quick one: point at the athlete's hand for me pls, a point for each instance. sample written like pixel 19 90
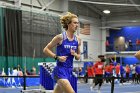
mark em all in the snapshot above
pixel 62 58
pixel 72 52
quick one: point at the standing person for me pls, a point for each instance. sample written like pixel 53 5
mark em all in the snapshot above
pixel 99 68
pixel 122 71
pixel 117 70
pixel 137 55
pixel 130 45
pixel 90 72
pixel 111 68
pixel 68 48
pixel 107 73
pixel 133 73
pixel 86 74
pixel 117 67
pixel 127 70
pixel 138 73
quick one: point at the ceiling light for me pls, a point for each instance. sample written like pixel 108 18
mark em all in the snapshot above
pixel 134 21
pixel 106 11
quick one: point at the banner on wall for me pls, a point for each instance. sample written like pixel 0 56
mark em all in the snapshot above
pixel 85 29
pixel 85 48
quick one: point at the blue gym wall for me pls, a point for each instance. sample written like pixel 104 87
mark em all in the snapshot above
pixel 130 60
pixel 130 33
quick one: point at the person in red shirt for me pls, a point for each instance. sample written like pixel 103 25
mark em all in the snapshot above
pixel 99 67
pixel 107 73
pixel 117 70
pixel 127 70
pixel 90 71
pixel 110 71
pixel 111 67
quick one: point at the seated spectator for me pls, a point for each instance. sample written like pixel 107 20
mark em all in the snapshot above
pixel 33 71
pixel 15 72
pixel 3 73
pixel 19 68
pixel 20 73
pixel 27 73
pixel 0 72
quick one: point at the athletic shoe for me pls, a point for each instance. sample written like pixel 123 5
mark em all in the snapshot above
pixel 99 91
pixel 91 88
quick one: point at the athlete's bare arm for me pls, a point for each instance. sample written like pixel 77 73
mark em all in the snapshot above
pixel 48 49
pixel 54 42
pixel 77 55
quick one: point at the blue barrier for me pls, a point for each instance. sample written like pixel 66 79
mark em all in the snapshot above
pixel 73 82
pixel 48 83
pixel 17 82
pixel 32 81
pixel 45 80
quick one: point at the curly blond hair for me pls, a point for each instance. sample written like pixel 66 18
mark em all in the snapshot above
pixel 66 19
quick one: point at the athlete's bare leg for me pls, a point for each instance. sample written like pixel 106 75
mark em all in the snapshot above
pixel 57 89
pixel 63 85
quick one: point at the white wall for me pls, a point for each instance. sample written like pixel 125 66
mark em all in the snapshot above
pixel 52 5
pixel 97 36
pixel 94 39
pixel 123 20
pixel 57 5
pixel 104 33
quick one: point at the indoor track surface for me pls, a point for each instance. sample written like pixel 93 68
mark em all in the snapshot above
pixel 85 88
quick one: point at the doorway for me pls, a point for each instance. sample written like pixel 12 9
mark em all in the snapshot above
pixel 119 43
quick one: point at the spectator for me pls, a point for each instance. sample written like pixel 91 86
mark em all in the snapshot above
pixel 122 71
pixel 127 70
pixel 3 73
pixel 27 72
pixel 86 74
pixel 130 45
pixel 117 67
pixel 33 71
pixel 134 73
pixel 107 73
pixel 90 71
pixel 99 68
pixel 19 68
pixel 15 72
pixel 138 73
